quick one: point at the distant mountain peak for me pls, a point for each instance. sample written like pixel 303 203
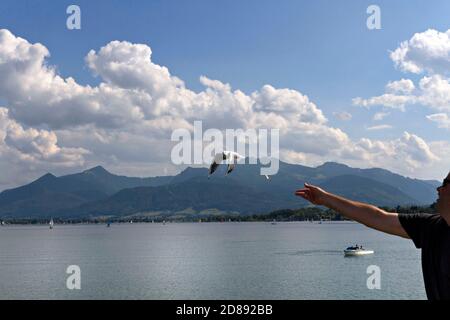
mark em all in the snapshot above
pixel 46 177
pixel 331 164
pixel 97 170
pixel 193 170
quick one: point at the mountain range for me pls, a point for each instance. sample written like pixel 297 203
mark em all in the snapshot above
pixel 97 192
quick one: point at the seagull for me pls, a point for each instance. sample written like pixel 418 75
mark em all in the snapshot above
pixel 231 158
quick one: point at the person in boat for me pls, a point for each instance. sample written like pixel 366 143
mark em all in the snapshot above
pixel 429 232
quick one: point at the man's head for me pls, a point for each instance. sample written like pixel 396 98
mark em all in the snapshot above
pixel 443 202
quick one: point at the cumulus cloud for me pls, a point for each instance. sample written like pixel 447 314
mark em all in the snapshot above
pixel 435 93
pixel 287 102
pixel 314 138
pixel 134 90
pixel 400 86
pixel 427 51
pixel 32 145
pixel 37 95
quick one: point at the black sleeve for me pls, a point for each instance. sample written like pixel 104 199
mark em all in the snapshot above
pixel 419 227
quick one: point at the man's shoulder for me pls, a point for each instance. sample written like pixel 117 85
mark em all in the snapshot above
pixel 423 228
pixel 429 220
pixel 422 216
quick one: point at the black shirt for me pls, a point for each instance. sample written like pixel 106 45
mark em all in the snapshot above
pixel 431 233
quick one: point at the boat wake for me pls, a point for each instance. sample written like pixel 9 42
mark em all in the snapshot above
pixel 318 252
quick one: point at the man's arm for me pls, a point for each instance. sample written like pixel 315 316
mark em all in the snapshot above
pixel 366 214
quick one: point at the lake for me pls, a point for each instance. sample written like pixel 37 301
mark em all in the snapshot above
pixel 230 260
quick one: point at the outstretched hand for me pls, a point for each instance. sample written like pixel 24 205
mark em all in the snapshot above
pixel 313 194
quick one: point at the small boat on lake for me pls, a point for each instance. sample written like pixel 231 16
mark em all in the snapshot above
pixel 51 223
pixel 357 251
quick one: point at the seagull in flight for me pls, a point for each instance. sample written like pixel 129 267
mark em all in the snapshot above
pixel 230 157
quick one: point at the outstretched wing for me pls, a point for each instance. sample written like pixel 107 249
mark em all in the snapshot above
pixel 212 168
pixel 230 167
pixel 218 158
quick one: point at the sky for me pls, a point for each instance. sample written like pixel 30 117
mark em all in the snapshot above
pixel 112 92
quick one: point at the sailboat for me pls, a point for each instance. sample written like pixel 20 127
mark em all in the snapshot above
pixel 274 221
pixel 51 223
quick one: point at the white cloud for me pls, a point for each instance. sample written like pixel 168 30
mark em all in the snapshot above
pixel 409 155
pixel 426 51
pixel 380 127
pixel 442 120
pixel 387 100
pixel 25 151
pixel 287 102
pixel 400 86
pixel 380 116
pixel 343 115
pixel 135 90
pixel 429 52
pixel 405 154
pixel 416 148
pixel 435 93
pixel 314 138
pixel 37 95
pixel 32 145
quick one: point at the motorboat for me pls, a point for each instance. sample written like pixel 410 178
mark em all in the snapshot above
pixel 357 251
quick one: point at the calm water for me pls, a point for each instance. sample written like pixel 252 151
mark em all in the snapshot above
pixel 297 260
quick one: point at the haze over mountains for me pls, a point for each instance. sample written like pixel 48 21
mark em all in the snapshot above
pixel 97 192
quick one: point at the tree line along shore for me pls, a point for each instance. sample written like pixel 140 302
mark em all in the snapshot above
pixel 312 214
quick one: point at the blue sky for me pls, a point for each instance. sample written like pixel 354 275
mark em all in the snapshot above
pixel 322 49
